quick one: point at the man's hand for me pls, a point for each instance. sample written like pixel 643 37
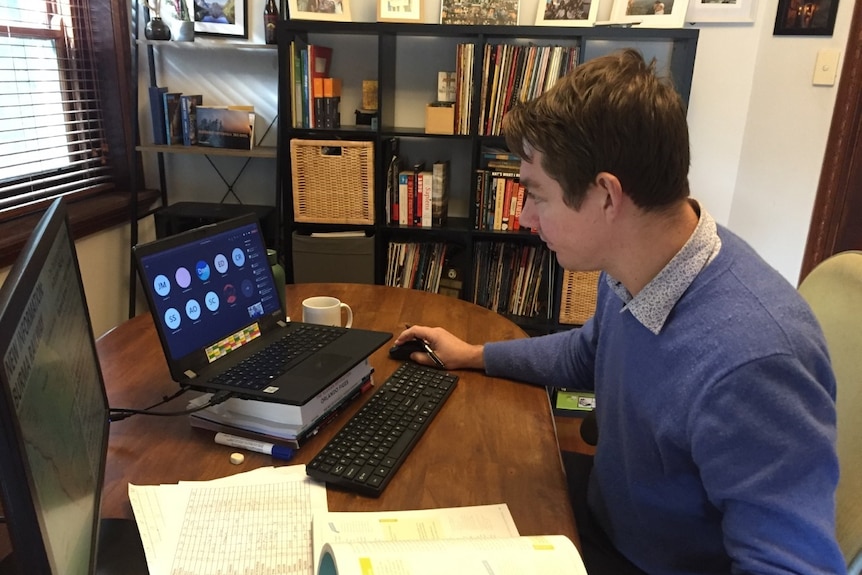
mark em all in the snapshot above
pixel 454 352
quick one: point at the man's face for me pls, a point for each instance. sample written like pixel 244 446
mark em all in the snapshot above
pixel 574 235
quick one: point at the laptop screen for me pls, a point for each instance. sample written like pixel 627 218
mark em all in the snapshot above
pixel 210 291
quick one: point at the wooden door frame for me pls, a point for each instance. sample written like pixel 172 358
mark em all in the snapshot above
pixel 840 187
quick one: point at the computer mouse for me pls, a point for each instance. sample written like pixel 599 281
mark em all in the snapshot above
pixel 402 352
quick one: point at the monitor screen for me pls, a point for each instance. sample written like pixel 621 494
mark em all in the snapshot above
pixel 53 408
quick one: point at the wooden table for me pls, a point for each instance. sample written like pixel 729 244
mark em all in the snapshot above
pixel 494 441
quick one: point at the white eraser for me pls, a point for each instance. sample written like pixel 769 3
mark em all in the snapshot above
pixel 237 458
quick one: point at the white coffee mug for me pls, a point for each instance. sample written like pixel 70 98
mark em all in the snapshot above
pixel 325 310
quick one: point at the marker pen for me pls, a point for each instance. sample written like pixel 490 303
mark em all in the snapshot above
pixel 277 451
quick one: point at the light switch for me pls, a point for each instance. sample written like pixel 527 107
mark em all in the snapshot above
pixel 826 67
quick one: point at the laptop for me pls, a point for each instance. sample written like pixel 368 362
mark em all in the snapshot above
pixel 215 306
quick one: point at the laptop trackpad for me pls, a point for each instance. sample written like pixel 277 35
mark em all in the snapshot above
pixel 321 366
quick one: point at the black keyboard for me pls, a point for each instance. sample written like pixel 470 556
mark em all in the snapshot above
pixel 365 454
pixel 257 371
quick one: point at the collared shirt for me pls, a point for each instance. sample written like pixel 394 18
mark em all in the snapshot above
pixel 654 302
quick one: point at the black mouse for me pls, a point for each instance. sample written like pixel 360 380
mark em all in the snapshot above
pixel 402 352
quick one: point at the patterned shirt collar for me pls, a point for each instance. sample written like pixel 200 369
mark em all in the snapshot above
pixel 653 304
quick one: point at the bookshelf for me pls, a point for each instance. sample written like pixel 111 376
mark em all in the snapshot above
pixel 163 63
pixel 405 59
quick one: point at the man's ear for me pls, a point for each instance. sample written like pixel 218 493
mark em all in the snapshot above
pixel 613 197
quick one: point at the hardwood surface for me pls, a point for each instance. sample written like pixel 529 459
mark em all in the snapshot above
pixel 494 441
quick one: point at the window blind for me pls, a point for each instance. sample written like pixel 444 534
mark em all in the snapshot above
pixel 52 141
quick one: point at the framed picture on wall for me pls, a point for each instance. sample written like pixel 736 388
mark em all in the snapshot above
pixel 567 12
pixel 805 17
pixel 721 11
pixel 400 11
pixel 649 13
pixel 221 17
pixel 332 10
pixel 489 13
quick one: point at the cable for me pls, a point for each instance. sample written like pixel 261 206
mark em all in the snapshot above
pixel 118 414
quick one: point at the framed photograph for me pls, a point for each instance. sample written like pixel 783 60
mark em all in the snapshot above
pixel 222 17
pixel 400 11
pixel 649 13
pixel 493 12
pixel 332 10
pixel 805 18
pixel 567 12
pixel 721 11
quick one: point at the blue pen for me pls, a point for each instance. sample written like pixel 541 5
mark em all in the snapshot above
pixel 277 451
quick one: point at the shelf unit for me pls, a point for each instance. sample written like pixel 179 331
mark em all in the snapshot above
pixel 201 46
pixel 405 59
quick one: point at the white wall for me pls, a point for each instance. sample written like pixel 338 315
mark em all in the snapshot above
pixel 758 134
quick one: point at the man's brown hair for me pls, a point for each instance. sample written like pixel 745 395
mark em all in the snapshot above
pixel 612 114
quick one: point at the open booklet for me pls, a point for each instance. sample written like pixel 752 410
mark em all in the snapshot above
pixel 456 541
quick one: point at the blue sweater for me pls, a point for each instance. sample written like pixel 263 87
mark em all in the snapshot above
pixel 716 445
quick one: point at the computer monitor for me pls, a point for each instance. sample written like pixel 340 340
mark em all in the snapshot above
pixel 53 410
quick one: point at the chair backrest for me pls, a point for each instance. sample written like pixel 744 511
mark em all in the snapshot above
pixel 833 289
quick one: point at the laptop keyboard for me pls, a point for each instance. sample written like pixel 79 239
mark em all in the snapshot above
pixel 257 371
pixel 365 454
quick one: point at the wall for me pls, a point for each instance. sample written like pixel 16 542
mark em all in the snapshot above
pixel 104 261
pixel 758 134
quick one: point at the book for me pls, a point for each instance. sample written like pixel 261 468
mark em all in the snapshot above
pixel 157 112
pixel 173 118
pixel 297 415
pixel 225 127
pixel 293 436
pixel 425 188
pixel 439 192
pixel 467 540
pixel 188 104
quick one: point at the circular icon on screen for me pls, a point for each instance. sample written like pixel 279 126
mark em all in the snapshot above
pixel 162 285
pixel 229 293
pixel 220 263
pixel 193 309
pixel 172 318
pixel 238 257
pixel 203 270
pixel 247 288
pixel 183 277
pixel 211 300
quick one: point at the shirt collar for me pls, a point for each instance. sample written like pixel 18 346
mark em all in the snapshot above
pixel 653 304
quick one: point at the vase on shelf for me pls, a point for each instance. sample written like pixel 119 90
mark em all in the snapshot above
pixel 157 29
pixel 183 31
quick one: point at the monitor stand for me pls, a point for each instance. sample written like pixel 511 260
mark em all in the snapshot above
pixel 120 551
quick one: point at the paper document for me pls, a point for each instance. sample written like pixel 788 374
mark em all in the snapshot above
pixel 536 555
pixel 481 521
pixel 251 523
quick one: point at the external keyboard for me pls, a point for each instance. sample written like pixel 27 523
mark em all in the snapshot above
pixel 365 454
pixel 257 371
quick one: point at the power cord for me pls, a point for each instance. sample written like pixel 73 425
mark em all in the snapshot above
pixel 118 414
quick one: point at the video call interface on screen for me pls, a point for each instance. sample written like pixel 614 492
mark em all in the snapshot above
pixel 214 286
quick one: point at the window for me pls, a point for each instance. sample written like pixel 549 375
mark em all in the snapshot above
pixel 52 139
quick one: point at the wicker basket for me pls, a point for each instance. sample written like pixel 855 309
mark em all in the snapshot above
pixel 333 181
pixel 578 297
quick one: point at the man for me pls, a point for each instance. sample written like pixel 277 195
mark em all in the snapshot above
pixel 714 392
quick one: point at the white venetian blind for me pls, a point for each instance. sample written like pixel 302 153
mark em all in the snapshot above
pixel 51 133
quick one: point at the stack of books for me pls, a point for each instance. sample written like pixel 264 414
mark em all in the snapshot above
pixel 279 423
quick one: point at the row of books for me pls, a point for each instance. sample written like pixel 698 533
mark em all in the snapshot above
pixel 182 119
pixel 316 94
pixel 499 199
pixel 415 265
pixel 422 196
pixel 279 423
pixel 463 87
pixel 509 278
pixel 517 73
